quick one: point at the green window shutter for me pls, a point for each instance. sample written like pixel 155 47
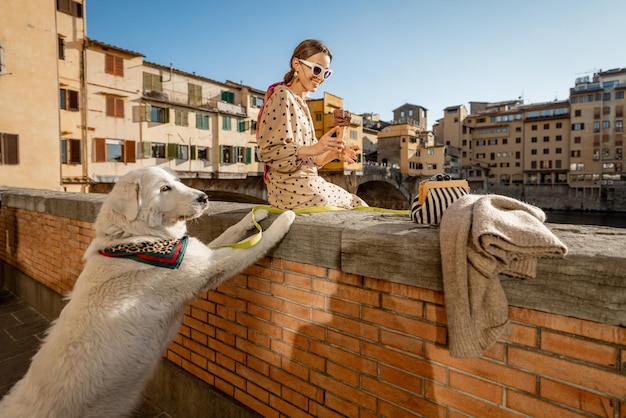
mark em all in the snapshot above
pixel 146 150
pixel 221 153
pixel 172 151
pixel 148 113
pixel 248 155
pixel 192 153
pixel 228 97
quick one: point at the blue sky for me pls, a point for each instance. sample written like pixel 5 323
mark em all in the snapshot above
pixel 432 53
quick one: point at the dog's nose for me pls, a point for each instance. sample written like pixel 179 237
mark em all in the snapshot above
pixel 203 198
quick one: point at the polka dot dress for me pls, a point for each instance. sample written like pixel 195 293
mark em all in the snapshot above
pixel 293 182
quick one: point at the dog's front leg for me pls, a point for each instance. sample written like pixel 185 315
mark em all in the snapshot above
pixel 237 232
pixel 229 261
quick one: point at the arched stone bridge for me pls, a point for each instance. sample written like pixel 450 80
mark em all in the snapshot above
pixel 378 185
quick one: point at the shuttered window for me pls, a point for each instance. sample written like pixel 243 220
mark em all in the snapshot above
pixel 68 99
pixel 114 65
pixel 115 107
pixel 9 149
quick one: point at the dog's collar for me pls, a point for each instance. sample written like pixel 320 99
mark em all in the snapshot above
pixel 166 253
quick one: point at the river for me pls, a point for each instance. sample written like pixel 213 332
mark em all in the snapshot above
pixel 612 219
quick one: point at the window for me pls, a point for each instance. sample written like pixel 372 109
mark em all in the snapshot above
pixel 70 151
pixel 202 121
pixel 619 126
pixel 181 117
pixel 533 128
pixel 577 112
pixel 203 153
pixel 256 101
pixel 578 126
pixel 70 7
pixel 68 100
pixel 242 125
pixel 157 150
pixel 115 106
pixel 606 96
pixel 152 82
pixel 61 48
pixel 182 152
pixel 194 92
pixel 546 126
pixel 157 114
pixel 226 123
pixel 226 154
pixel 546 139
pixel 228 97
pixel 596 126
pixel 113 65
pixel 114 150
pixel 606 124
pixel 619 94
pixel 9 149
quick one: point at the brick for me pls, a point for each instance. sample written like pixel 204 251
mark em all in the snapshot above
pixel 258 311
pixel 258 392
pixel 343 341
pixel 577 348
pixel 464 403
pixel 198 372
pixel 254 377
pixel 346 358
pixel 579 374
pixel 347 392
pixel 295 398
pixel 342 406
pixel 427 409
pixel 317 410
pixel 224 374
pixel 485 369
pixel 224 386
pixel 298 325
pixel 307 269
pixel 259 285
pixel 297 339
pixel 298 280
pixel 343 307
pixel 259 325
pixel 310 359
pixel 478 387
pixel 401 379
pixel 536 408
pixel 404 306
pixel 401 323
pixel 403 361
pixel 302 386
pixel 401 398
pixel 400 341
pixel 253 403
pixel 568 325
pixel 298 295
pixel 346 278
pixel 297 309
pixel 435 313
pixel 577 398
pixel 347 325
pixel 286 408
pixel 275 276
pixel 523 335
pixel 342 373
pixel 259 352
pixel 345 292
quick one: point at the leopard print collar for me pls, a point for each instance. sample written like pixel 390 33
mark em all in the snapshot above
pixel 165 253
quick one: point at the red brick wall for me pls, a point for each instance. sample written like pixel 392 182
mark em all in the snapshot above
pixel 290 339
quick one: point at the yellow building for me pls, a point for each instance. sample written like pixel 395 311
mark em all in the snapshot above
pixel 323 120
pixel 41 59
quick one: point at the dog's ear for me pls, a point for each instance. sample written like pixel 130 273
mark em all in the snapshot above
pixel 126 199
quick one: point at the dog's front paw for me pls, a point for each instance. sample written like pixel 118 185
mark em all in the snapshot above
pixel 289 216
pixel 259 215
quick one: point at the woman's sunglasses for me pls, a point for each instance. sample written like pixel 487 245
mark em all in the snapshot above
pixel 317 70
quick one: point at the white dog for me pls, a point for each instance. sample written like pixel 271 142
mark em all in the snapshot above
pixel 128 303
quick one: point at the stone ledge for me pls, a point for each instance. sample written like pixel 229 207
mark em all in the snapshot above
pixel 588 284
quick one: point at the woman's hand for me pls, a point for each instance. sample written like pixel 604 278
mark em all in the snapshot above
pixel 349 154
pixel 330 143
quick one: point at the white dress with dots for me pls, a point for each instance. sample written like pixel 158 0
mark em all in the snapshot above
pixel 293 182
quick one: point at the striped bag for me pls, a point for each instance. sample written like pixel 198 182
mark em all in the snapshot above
pixel 434 196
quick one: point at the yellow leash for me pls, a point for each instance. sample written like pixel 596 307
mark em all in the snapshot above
pixel 254 239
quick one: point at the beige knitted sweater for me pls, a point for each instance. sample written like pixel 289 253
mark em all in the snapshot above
pixel 481 237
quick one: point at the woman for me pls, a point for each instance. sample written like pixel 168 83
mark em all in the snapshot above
pixel 286 136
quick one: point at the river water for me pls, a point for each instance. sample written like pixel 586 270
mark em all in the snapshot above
pixel 612 219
